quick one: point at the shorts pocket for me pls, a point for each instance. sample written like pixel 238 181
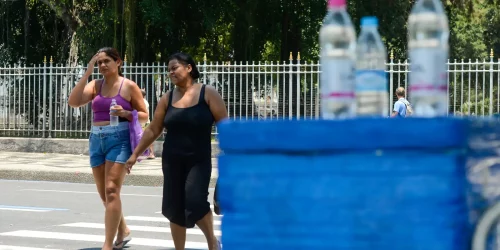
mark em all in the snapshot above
pixel 94 145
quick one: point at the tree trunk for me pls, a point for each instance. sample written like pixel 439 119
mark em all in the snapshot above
pixel 68 15
pixel 26 29
pixel 285 22
pixel 130 19
pixel 115 24
pixel 73 51
pixel 70 18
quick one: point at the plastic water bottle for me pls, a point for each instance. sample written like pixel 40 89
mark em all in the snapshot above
pixel 113 120
pixel 337 39
pixel 371 79
pixel 428 51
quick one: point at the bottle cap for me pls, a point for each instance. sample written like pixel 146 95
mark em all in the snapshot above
pixel 336 3
pixel 369 21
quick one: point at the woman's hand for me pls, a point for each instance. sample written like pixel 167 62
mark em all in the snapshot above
pixel 118 110
pixel 130 163
pixel 93 60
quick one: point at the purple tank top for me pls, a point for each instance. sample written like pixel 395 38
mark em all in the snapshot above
pixel 101 104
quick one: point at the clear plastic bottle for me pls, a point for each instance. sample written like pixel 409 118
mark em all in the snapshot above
pixel 113 120
pixel 428 51
pixel 372 97
pixel 337 39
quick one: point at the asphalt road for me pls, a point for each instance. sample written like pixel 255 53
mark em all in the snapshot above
pixel 55 215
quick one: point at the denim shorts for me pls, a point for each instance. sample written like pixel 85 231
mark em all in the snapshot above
pixel 109 143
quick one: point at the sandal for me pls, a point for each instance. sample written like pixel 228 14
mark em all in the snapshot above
pixel 121 244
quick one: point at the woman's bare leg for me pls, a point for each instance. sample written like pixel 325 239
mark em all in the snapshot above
pixel 114 175
pixel 178 235
pixel 206 224
pixel 99 179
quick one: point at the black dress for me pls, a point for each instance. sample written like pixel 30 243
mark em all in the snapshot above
pixel 186 162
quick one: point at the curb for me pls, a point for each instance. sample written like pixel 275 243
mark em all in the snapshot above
pixel 87 178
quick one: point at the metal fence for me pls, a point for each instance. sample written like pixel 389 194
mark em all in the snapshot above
pixel 33 100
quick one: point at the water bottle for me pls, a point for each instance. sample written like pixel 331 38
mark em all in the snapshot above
pixel 337 39
pixel 371 79
pixel 113 120
pixel 428 51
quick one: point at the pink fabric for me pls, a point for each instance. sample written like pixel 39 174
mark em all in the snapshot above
pixel 136 132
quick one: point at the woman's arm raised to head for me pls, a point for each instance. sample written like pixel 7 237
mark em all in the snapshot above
pixel 83 93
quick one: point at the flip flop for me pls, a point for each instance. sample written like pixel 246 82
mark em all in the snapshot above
pixel 120 245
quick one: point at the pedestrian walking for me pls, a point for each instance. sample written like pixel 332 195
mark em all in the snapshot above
pixel 402 107
pixel 109 146
pixel 187 112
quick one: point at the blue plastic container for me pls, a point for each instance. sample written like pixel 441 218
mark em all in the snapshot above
pixel 351 184
pixel 483 172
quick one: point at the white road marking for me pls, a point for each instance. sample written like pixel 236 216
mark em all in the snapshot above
pixel 86 192
pixel 30 209
pixel 99 239
pixel 192 231
pixel 211 207
pixel 5 247
pixel 24 210
pixel 155 219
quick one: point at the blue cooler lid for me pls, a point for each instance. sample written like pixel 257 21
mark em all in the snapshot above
pixel 328 135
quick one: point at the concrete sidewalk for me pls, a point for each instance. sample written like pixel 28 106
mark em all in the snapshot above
pixel 75 168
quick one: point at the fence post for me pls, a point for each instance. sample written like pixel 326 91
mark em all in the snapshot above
pixel 205 69
pixel 290 89
pixel 50 98
pixel 298 88
pixel 491 82
pixel 44 118
pixel 391 81
pixel 454 86
pixel 448 99
pixel 318 107
pixel 125 67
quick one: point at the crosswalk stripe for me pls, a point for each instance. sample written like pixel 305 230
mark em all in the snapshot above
pixel 5 247
pixel 30 209
pixel 211 207
pixel 213 214
pixel 100 239
pixel 156 219
pixel 193 231
pixel 24 210
pixel 88 192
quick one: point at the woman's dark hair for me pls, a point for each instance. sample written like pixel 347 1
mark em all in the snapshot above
pixel 186 59
pixel 113 53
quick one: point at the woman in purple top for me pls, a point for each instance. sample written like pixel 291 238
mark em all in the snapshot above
pixel 109 146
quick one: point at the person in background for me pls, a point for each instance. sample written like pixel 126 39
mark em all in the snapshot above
pixel 145 124
pixel 402 108
pixel 188 113
pixel 109 146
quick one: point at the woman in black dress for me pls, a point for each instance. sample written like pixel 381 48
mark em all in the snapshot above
pixel 188 113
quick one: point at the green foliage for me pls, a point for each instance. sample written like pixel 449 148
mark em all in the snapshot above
pixel 224 30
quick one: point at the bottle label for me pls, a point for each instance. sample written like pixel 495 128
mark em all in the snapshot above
pixel 337 79
pixel 337 88
pixel 428 71
pixel 371 80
